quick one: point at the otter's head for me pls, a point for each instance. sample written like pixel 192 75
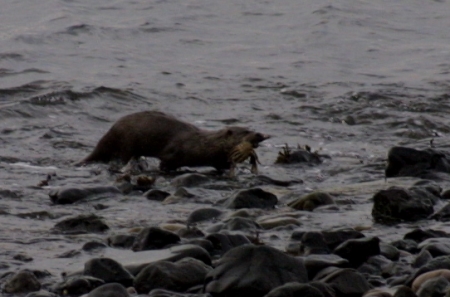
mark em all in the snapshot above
pixel 243 134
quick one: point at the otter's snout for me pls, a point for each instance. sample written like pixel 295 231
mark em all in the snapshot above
pixel 259 138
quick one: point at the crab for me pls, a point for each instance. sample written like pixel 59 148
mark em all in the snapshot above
pixel 302 154
pixel 240 153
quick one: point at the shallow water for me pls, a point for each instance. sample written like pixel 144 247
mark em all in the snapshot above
pixel 351 78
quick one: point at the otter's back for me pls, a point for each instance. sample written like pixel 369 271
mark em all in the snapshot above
pixel 149 132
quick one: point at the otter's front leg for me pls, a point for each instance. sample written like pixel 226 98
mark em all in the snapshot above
pixel 232 173
pixel 254 162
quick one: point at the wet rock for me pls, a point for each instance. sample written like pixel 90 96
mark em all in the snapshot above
pixel 420 280
pixel 436 246
pixel 369 270
pixel 7 193
pixel 124 241
pixel 109 290
pixel 336 237
pixel 247 213
pixel 108 270
pixel 446 194
pixel 267 180
pixel 345 281
pixel 251 270
pixel 441 262
pixel 152 238
pixel 404 161
pixel 313 243
pixel 156 195
pixel 324 288
pixel 172 227
pixel 72 195
pixel 391 269
pixel 252 198
pixel 124 186
pixel 419 235
pixel 189 180
pixel 190 232
pixel 443 214
pixel 77 285
pixel 357 251
pixel 404 291
pixel 236 224
pixel 41 293
pixel 271 223
pixel 437 286
pixel 178 276
pixel 167 293
pixel 377 293
pixel 294 289
pixel 429 185
pixel 179 195
pixel 389 251
pixel 22 257
pixel 406 245
pixel 311 201
pixel 398 204
pixel 22 282
pixel 421 259
pixel 144 181
pixel 316 262
pixel 69 254
pixel 223 242
pixel 92 246
pixel 203 243
pixel 81 224
pixel 203 214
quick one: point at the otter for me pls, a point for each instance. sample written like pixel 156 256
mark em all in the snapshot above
pixel 175 143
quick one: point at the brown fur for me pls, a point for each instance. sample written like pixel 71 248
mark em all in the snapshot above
pixel 175 143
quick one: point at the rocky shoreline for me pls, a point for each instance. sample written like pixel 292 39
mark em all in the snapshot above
pixel 224 247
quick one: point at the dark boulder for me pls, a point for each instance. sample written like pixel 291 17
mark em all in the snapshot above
pixel 203 214
pixel 22 282
pixel 404 161
pixel 295 289
pixel 156 195
pixel 251 270
pixel 72 195
pixel 153 238
pixel 77 285
pixel 311 201
pixel 236 224
pixel 252 198
pixel 108 270
pixel 81 224
pixel 109 290
pixel 419 235
pixel 436 246
pixel 223 242
pixel 398 204
pixel 189 180
pixel 345 281
pixel 124 241
pixel 178 276
pixel 313 243
pixel 357 251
